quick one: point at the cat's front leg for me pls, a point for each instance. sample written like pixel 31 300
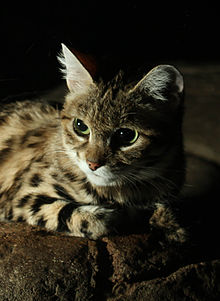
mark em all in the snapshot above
pixel 91 221
pixel 164 219
pixel 55 214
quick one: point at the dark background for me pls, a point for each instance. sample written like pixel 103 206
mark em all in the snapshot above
pixel 119 34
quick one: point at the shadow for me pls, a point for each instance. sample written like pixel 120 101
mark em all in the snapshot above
pixel 199 206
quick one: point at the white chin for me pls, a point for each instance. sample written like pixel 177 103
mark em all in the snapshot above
pixel 101 181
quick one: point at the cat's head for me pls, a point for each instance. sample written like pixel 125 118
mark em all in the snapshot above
pixel 119 135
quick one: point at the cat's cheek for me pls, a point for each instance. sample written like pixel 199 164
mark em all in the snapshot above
pixel 82 165
pixel 74 156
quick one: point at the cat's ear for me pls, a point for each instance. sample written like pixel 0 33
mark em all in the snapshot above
pixel 163 83
pixel 77 77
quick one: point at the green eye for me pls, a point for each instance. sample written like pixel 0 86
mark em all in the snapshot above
pixel 80 127
pixel 125 136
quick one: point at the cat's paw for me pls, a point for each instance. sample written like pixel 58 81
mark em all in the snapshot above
pixel 163 219
pixel 90 221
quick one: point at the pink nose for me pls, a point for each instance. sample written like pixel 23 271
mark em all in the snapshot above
pixel 93 165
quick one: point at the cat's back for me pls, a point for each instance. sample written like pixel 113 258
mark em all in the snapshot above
pixel 26 129
pixel 30 113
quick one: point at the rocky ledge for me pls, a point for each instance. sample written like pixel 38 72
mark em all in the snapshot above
pixel 38 265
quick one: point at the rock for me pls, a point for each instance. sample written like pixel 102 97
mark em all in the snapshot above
pixel 36 265
pixel 40 265
pixel 197 282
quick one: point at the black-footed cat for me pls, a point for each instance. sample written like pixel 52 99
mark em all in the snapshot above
pixel 111 151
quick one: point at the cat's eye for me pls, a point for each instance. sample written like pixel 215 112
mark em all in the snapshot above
pixel 125 136
pixel 80 127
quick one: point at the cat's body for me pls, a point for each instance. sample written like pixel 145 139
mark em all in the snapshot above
pixel 109 152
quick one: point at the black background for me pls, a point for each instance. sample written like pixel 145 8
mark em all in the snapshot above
pixel 117 33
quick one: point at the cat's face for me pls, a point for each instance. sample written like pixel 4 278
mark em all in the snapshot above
pixel 118 136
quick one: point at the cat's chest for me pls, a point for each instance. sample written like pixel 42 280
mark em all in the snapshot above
pixel 69 186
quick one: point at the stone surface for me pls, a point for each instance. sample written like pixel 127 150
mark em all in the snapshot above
pixel 38 265
pixel 198 282
pixel 35 265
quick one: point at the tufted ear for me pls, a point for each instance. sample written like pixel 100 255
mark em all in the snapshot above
pixel 77 77
pixel 162 83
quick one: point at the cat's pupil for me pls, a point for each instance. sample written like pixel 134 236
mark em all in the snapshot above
pixel 125 136
pixel 81 125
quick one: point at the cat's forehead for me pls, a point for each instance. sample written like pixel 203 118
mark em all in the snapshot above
pixel 102 106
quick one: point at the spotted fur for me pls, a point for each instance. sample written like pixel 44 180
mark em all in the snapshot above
pixel 45 176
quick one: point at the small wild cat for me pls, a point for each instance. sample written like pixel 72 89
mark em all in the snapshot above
pixel 111 153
